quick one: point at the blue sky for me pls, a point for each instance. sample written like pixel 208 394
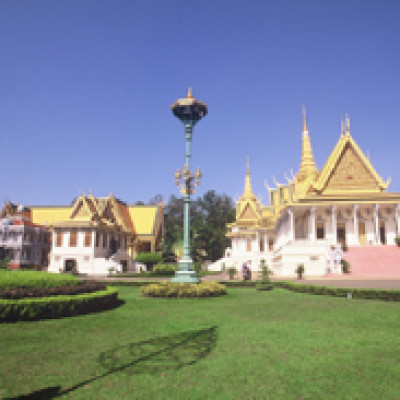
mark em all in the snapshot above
pixel 86 86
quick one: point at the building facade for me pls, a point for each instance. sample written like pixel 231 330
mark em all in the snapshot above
pixel 95 235
pixel 315 214
pixel 23 243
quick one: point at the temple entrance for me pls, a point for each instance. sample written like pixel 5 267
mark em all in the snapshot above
pixel 341 233
pixel 361 233
pixel 382 233
pixel 70 265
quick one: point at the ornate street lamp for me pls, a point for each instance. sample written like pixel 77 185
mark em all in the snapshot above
pixel 189 111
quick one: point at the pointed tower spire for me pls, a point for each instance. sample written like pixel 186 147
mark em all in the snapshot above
pixel 307 165
pixel 248 191
pixel 190 93
pixel 305 128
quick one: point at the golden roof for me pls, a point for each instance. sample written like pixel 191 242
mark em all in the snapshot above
pixel 348 170
pixel 145 218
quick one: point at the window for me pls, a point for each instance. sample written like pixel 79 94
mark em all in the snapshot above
pixel 73 238
pixel 104 240
pixel 97 238
pixel 88 238
pixel 59 239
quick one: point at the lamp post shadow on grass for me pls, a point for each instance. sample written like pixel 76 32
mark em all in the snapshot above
pixel 146 357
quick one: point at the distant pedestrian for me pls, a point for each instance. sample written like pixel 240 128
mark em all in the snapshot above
pixel 244 271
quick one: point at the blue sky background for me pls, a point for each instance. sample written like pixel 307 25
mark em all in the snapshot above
pixel 86 86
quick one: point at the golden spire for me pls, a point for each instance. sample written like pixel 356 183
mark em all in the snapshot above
pixel 303 110
pixel 307 165
pixel 190 93
pixel 248 191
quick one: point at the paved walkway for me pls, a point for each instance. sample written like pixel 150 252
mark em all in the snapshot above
pixel 349 281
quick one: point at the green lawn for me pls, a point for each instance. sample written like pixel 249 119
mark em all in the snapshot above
pixel 246 345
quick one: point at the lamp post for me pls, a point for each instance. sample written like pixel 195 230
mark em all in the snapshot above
pixel 189 111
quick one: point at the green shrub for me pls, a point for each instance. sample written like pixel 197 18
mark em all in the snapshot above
pixel 197 266
pixel 398 241
pixel 387 295
pixel 4 263
pixel 232 271
pixel 164 270
pixel 149 258
pixel 345 267
pixel 26 292
pixel 29 279
pixel 265 271
pixel 264 285
pixel 177 290
pixel 300 271
pixel 57 306
pixel 239 284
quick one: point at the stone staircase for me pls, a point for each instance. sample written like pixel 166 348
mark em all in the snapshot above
pixel 374 261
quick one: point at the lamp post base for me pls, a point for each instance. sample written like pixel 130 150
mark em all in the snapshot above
pixel 185 274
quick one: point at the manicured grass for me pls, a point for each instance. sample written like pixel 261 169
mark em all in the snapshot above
pixel 246 345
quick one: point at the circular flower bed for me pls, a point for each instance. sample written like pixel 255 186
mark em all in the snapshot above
pixel 178 290
pixel 32 295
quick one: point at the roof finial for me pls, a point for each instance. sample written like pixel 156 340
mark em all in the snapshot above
pixel 303 110
pixel 347 124
pixel 247 166
pixel 190 93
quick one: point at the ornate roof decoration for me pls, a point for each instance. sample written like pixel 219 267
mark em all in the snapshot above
pixel 348 169
pixel 102 210
pixel 248 208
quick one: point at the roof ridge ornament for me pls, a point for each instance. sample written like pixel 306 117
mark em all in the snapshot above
pixel 347 124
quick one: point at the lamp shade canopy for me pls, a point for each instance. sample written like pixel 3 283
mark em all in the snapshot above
pixel 189 109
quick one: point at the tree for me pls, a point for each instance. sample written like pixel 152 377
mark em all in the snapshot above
pixel 158 198
pixel 208 217
pixel 217 211
pixel 149 259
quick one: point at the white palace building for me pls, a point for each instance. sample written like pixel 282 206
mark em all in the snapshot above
pixel 315 214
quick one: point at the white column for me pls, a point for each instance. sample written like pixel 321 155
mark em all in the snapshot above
pixel 334 224
pixel 258 241
pixel 291 224
pixel 398 219
pixel 312 214
pixel 355 221
pixel 377 236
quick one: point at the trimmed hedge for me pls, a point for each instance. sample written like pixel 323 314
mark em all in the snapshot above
pixel 24 292
pixel 239 283
pixel 29 279
pixel 178 290
pixel 264 286
pixel 164 270
pixel 374 294
pixel 57 306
